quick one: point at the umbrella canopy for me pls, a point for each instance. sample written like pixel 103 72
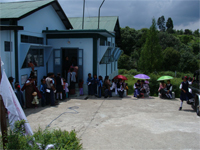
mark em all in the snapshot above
pixel 141 76
pixel 120 77
pixel 165 78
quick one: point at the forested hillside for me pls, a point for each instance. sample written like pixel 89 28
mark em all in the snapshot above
pixel 160 48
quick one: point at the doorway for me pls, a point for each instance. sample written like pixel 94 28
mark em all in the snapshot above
pixel 75 58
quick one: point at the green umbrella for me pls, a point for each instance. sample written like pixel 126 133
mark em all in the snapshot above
pixel 165 78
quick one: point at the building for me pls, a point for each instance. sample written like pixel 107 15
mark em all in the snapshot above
pixel 39 33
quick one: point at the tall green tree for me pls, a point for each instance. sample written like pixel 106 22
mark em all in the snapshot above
pixel 169 25
pixel 196 33
pixel 151 56
pixel 188 31
pixel 171 58
pixel 161 23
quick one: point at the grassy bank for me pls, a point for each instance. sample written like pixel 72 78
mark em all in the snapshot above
pixel 153 83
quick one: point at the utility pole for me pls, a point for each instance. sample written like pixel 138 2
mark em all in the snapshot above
pixel 99 13
pixel 83 14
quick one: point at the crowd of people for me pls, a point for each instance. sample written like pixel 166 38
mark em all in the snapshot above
pixel 141 89
pixel 54 88
pixel 99 87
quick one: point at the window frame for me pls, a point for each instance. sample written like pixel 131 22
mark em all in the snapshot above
pixel 8 46
pixel 40 52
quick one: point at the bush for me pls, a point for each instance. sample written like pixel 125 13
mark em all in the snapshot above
pixel 60 139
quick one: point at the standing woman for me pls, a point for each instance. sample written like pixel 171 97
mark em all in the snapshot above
pixel 107 87
pixel 29 89
pixel 72 81
pixel 66 67
pixel 184 91
pixel 100 85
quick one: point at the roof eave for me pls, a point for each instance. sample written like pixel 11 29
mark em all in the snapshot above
pixel 97 31
pixel 67 25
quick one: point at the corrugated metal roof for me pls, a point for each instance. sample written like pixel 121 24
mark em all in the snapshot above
pixel 107 23
pixel 18 9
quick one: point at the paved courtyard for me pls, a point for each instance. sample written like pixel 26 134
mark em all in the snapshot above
pixel 123 124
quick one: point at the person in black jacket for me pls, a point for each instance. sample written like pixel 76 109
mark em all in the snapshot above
pixel 184 91
pixel 169 89
pixel 59 86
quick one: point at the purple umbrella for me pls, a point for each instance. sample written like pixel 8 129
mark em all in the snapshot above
pixel 141 76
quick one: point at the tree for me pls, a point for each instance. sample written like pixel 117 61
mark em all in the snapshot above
pixel 169 25
pixel 150 57
pixel 196 33
pixel 168 40
pixel 185 38
pixel 128 36
pixel 187 31
pixel 126 62
pixel 161 23
pixel 196 48
pixel 188 61
pixel 171 58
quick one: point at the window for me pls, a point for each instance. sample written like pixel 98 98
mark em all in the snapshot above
pixel 35 57
pixel 7 46
pixel 109 43
pixel 106 57
pixel 103 41
pixel 31 39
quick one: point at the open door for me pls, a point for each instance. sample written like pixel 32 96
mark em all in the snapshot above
pixel 57 61
pixel 80 63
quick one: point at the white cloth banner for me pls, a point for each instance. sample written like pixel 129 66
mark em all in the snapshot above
pixel 12 104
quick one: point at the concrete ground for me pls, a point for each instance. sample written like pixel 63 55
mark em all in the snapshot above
pixel 123 124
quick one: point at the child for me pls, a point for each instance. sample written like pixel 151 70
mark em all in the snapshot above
pixel 142 89
pixel 162 89
pixel 169 89
pixel 66 90
pixel 80 84
pixel 126 89
pixel 184 91
pixel 90 81
pixel 19 95
pixel 35 99
pixel 95 84
pixel 100 85
pixel 63 91
pixel 43 91
pixel 137 89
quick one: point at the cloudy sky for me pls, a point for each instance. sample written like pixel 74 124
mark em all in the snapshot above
pixel 138 13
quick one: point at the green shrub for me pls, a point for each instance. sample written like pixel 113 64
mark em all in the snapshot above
pixel 60 139
pixel 121 71
pixel 168 73
pixel 133 72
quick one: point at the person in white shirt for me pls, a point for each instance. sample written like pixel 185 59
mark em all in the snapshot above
pixel 113 86
pixel 120 88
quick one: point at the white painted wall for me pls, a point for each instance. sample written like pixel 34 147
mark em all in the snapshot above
pixel 82 43
pixel 33 25
pixel 38 21
pixel 8 58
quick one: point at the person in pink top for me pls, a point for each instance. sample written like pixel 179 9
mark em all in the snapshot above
pixel 162 89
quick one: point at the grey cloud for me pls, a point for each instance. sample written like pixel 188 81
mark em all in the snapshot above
pixel 136 13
